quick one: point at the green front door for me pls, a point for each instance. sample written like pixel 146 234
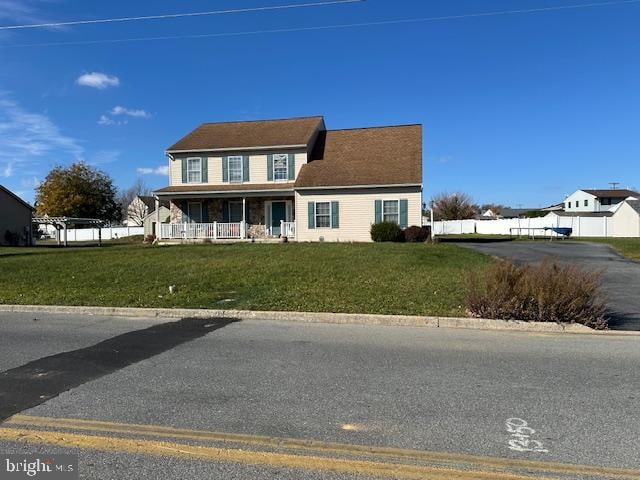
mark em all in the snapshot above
pixel 278 214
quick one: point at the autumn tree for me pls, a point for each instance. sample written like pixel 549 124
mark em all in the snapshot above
pixel 452 206
pixel 134 211
pixel 78 190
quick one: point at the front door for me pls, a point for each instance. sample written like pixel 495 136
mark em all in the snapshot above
pixel 278 214
pixel 195 212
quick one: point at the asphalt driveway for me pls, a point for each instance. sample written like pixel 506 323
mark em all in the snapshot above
pixel 620 278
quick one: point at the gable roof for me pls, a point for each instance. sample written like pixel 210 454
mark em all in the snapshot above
pixel 635 204
pixel 613 193
pixel 150 202
pixel 289 132
pixel 15 197
pixel 365 156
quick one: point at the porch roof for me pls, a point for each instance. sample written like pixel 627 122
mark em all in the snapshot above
pixel 245 188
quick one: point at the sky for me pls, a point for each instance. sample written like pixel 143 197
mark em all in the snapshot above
pixel 518 108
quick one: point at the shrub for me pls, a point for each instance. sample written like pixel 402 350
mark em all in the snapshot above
pixel 149 239
pixel 386 232
pixel 545 293
pixel 417 234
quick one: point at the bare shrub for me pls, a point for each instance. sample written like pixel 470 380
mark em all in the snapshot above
pixel 549 292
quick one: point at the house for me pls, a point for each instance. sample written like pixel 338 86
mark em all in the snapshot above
pixel 626 219
pixel 506 212
pixel 151 221
pixel 293 178
pixel 596 200
pixel 15 219
pixel 139 208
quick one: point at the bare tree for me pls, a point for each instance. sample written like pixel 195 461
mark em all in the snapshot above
pixel 133 208
pixel 452 206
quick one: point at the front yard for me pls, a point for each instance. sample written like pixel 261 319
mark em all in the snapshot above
pixel 417 279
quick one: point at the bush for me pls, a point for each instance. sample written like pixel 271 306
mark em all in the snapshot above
pixel 149 239
pixel 417 234
pixel 545 293
pixel 386 232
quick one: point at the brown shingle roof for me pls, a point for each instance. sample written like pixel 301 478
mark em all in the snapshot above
pixel 259 133
pixel 206 188
pixel 620 193
pixel 365 156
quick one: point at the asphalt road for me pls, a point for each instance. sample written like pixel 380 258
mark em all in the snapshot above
pixel 620 276
pixel 259 399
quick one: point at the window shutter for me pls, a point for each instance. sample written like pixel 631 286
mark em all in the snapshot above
pixel 311 214
pixel 245 168
pixel 404 214
pixel 335 220
pixel 185 211
pixel 205 169
pixel 184 170
pixel 269 167
pixel 225 169
pixel 225 212
pixel 205 211
pixel 378 210
pixel 291 167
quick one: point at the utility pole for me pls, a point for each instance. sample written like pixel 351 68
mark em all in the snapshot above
pixel 614 185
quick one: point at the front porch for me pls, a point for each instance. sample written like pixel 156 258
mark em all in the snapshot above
pixel 230 219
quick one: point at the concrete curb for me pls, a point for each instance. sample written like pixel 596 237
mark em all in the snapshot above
pixel 316 317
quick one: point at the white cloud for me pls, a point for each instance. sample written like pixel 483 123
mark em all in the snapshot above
pixel 102 157
pixel 162 170
pixel 98 80
pixel 27 139
pixel 118 110
pixel 104 120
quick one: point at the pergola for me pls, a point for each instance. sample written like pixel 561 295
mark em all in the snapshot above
pixel 62 223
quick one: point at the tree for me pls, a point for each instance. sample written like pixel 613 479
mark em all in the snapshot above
pixel 78 190
pixel 452 206
pixel 132 211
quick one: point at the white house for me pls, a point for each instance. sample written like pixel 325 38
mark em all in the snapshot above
pixel 597 200
pixel 292 178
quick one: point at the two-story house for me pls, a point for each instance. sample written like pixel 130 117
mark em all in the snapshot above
pixel 602 200
pixel 293 178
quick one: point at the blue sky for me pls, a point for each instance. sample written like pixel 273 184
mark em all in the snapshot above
pixel 518 109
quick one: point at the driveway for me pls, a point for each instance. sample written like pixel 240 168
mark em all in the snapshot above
pixel 620 278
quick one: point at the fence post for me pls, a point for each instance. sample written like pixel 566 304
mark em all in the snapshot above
pixel 215 230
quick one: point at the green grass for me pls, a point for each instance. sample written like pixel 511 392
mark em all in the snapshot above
pixel 418 279
pixel 628 247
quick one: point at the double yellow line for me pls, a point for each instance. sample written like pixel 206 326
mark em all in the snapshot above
pixel 288 452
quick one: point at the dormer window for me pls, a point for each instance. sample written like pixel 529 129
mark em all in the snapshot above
pixel 194 170
pixel 280 166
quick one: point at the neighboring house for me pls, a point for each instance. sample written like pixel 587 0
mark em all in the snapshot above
pixel 139 208
pixel 292 178
pixel 506 212
pixel 558 207
pixel 150 221
pixel 627 219
pixel 596 200
pixel 15 219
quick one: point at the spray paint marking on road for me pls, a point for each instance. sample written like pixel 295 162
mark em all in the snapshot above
pixel 521 433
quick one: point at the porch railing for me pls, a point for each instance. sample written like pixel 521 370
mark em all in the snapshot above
pixel 288 229
pixel 215 230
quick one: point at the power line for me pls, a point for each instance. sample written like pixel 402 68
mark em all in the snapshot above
pixel 177 15
pixel 330 27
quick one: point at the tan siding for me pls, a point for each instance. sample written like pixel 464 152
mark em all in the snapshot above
pixel 257 169
pixel 625 222
pixel 356 212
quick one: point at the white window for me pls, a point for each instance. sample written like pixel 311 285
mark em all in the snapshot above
pixel 235 168
pixel 280 166
pixel 194 170
pixel 323 214
pixel 390 211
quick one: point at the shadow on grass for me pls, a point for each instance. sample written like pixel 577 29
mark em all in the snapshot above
pixel 465 239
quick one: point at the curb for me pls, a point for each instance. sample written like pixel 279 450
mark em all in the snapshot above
pixel 317 317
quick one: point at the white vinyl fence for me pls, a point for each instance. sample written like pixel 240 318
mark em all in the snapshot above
pixel 582 226
pixel 108 233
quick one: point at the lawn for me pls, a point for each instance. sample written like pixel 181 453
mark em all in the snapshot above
pixel 628 247
pixel 418 279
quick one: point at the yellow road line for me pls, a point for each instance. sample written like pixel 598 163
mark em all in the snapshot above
pixel 270 459
pixel 473 461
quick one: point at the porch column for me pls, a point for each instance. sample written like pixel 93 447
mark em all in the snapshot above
pixel 243 229
pixel 158 227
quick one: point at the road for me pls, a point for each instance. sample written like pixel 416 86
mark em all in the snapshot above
pixel 620 276
pixel 154 398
